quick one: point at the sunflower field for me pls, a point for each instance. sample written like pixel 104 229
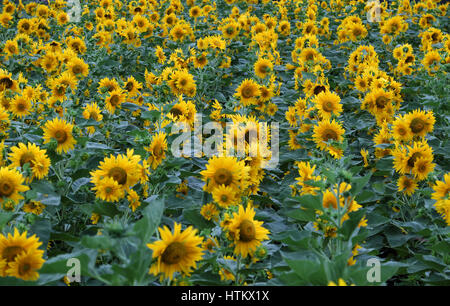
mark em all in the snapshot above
pixel 348 182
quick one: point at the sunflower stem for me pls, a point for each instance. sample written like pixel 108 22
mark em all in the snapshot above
pixel 238 267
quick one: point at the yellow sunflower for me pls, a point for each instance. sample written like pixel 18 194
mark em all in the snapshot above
pixel 263 67
pixel 247 92
pixel 92 111
pixel 177 251
pixel 114 100
pixel 329 199
pixel 224 196
pixel 132 86
pixel 246 232
pixel 26 264
pixel 78 67
pixel 422 167
pixel 157 149
pixel 11 246
pixel 33 207
pixel 226 171
pixel 406 157
pixel 407 185
pixel 325 131
pixel 401 130
pixel 11 182
pixel 20 106
pixel 123 169
pixel 32 154
pixel 328 103
pixel 61 131
pixel 441 188
pixel 108 189
pixel 420 122
pixel 107 84
pixel 210 212
pixel 431 61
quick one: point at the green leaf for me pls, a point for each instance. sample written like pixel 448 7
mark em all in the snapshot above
pixel 46 193
pixel 152 214
pixel 5 217
pixel 301 214
pixel 103 209
pixel 309 201
pixel 359 183
pixel 193 216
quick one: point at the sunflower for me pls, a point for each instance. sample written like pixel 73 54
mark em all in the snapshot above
pixel 226 170
pixel 114 100
pixel 263 67
pixel 406 157
pixel 210 212
pixel 431 61
pixel 33 155
pixel 328 103
pixel 25 265
pixel 108 189
pixel 76 44
pixel 157 149
pixel 291 116
pixel 325 131
pixel 184 80
pixel 407 185
pixel 141 23
pixel 107 84
pixel 159 53
pixel 329 199
pixel 177 251
pixel 33 207
pixel 92 111
pixel 210 244
pixel 132 86
pixel 61 131
pixel 361 83
pixel 58 90
pixel 201 61
pixel 78 67
pixel 62 18
pixel 25 26
pixel 11 47
pixel 224 196
pixel 123 169
pixel 230 30
pixel 377 101
pixel 246 232
pixel 20 106
pixel 12 246
pixel 441 188
pixel 11 182
pixel 401 130
pixel 422 167
pixel 293 142
pixel 178 32
pixel 247 92
pixel 420 122
pixel 6 82
pixel 195 11
pixel 178 111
